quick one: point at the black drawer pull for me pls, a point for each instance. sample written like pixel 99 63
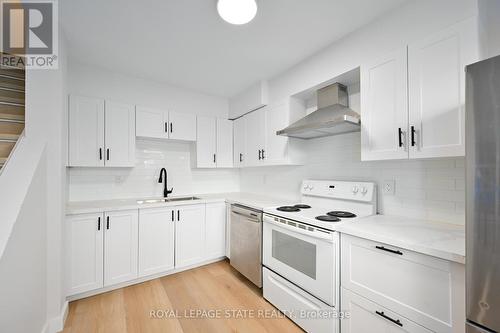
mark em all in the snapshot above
pixel 171 128
pixel 100 154
pixel 172 216
pixel 260 154
pixel 98 223
pixel 241 157
pixel 400 137
pixel 395 321
pixel 389 250
pixel 166 127
pixel 107 154
pixel 413 142
pixel 107 222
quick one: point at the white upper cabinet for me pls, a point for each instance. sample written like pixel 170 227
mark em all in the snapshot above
pixel 156 240
pixel 413 102
pixel 214 143
pixel 119 134
pixel 239 130
pixel 384 107
pixel 255 137
pixel 101 133
pixel 86 131
pixel 215 230
pixel 161 124
pixel 84 253
pixel 120 246
pixel 189 235
pixel 224 158
pixel 206 142
pixel 436 70
pixel 182 126
pixel 151 123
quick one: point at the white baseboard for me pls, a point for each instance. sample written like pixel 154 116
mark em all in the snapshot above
pixel 56 324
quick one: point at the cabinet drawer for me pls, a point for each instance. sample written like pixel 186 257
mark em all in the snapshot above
pixel 364 316
pixel 421 288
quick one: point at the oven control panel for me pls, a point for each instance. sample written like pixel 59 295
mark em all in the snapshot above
pixel 356 191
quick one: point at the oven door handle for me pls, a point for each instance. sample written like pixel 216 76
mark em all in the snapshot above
pixel 317 233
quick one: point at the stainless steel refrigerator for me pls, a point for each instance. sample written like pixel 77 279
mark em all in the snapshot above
pixel 483 196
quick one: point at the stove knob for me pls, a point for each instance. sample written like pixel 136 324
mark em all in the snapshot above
pixel 355 189
pixel 364 190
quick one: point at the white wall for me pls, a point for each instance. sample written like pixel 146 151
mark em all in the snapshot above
pixel 432 189
pixel 142 180
pixel 489 10
pixel 151 156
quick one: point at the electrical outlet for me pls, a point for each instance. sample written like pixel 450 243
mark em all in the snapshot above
pixel 389 187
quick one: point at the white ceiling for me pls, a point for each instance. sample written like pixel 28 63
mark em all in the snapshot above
pixel 185 43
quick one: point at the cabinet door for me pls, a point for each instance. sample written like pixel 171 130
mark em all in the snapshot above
pixel 239 142
pixel 120 246
pixel 255 136
pixel 366 316
pixel 276 147
pixel 224 153
pixel 151 123
pixel 84 253
pixel 437 90
pixel 156 240
pixel 206 139
pixel 215 234
pixel 384 108
pixel 189 235
pixel 182 126
pixel 86 131
pixel 120 135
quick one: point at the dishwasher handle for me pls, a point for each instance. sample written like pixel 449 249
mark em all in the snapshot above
pixel 246 217
pixel 247 213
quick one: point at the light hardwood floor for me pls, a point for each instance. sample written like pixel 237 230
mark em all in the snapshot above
pixel 216 288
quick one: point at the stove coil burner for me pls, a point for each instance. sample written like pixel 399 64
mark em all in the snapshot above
pixel 327 218
pixel 288 209
pixel 341 214
pixel 302 206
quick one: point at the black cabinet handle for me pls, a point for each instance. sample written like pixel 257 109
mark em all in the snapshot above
pixel 400 137
pixel 171 128
pixel 166 127
pixel 98 223
pixel 100 154
pixel 383 315
pixel 241 157
pixel 389 250
pixel 260 154
pixel 178 215
pixel 263 156
pixel 413 142
pixel 215 158
pixel 172 216
pixel 107 154
pixel 107 222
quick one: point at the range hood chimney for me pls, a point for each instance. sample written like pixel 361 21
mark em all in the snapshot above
pixel 332 117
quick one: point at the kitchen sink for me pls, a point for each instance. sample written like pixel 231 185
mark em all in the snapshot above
pixel 173 199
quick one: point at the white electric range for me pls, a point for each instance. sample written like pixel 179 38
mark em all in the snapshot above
pixel 301 250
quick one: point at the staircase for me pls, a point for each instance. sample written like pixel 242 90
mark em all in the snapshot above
pixel 12 89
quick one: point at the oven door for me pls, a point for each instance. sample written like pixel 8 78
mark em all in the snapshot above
pixel 302 254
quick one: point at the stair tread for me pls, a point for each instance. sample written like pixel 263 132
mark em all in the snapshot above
pixel 9 116
pixel 14 100
pixel 8 136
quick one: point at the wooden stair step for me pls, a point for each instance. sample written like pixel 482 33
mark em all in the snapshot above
pixel 11 96
pixel 12 117
pixel 13 73
pixel 11 109
pixel 11 127
pixel 9 137
pixel 5 148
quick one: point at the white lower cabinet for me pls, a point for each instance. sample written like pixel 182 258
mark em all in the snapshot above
pixel 156 240
pixel 84 253
pixel 120 246
pixel 189 235
pixel 426 290
pixel 215 230
pixel 366 316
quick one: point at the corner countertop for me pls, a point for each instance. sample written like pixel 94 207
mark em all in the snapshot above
pixel 441 240
pixel 251 200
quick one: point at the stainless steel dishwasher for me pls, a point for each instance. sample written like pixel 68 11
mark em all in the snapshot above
pixel 246 242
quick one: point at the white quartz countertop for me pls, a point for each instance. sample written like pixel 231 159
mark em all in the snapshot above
pixel 441 240
pixel 251 200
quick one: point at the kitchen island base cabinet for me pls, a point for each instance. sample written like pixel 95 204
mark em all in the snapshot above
pixel 120 246
pixel 84 251
pixel 156 240
pixel 366 316
pixel 189 235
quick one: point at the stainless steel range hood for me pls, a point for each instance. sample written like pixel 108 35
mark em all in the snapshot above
pixel 332 117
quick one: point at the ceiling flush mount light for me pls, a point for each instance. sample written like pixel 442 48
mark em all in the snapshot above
pixel 237 11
